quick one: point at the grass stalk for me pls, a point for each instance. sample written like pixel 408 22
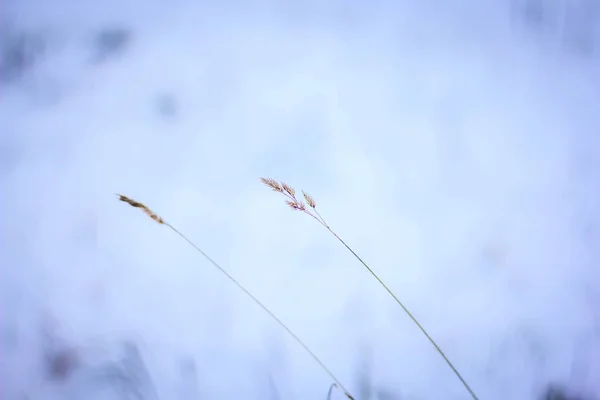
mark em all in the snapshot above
pixel 161 221
pixel 308 207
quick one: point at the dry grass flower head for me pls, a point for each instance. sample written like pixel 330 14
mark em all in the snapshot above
pixel 141 206
pixel 293 202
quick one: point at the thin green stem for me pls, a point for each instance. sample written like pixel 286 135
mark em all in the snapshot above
pixel 473 395
pixel 261 305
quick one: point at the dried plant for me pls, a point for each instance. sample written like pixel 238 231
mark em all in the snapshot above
pixel 143 207
pixel 311 211
pixel 330 391
pixel 289 191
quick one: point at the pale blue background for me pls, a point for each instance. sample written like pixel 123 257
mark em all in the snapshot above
pixel 454 144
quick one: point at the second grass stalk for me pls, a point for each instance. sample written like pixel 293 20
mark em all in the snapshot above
pixel 309 207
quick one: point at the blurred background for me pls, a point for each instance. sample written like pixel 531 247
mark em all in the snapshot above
pixel 455 145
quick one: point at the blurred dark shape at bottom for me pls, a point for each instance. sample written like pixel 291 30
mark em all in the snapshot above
pixel 558 392
pixel 108 370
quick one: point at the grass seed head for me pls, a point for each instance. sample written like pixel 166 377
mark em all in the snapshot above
pixel 309 200
pixel 141 206
pixel 273 184
pixel 296 205
pixel 288 189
